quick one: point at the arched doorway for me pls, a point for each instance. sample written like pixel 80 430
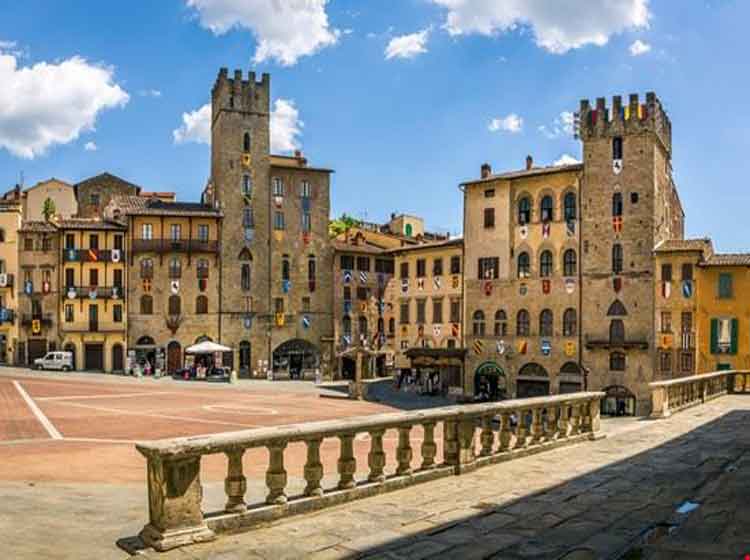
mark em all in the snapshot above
pixel 174 357
pixel 145 352
pixel 618 401
pixel 296 357
pixel 571 380
pixel 348 368
pixel 70 347
pixel 533 381
pixel 118 362
pixel 245 359
pixel 489 382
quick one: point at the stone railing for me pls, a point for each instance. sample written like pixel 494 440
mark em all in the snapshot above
pixel 506 429
pixel 674 395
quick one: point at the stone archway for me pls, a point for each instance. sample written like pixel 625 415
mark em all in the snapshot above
pixel 533 381
pixel 490 382
pixel 296 357
pixel 618 401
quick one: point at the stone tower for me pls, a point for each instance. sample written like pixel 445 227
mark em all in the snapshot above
pixel 629 203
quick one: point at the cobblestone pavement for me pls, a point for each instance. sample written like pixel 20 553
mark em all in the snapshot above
pixel 618 497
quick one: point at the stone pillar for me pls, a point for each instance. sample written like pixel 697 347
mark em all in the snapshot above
pixel 347 464
pixel 276 474
pixel 550 429
pixel 429 447
pixel 174 499
pixel 487 438
pixel 595 415
pixel 404 452
pixel 313 468
pixel 537 430
pixel 235 484
pixel 376 457
pixel 660 402
pixel 505 433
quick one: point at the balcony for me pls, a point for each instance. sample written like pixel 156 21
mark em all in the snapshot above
pixel 172 246
pixel 45 319
pixel 92 292
pixel 7 316
pixel 93 255
pixel 607 344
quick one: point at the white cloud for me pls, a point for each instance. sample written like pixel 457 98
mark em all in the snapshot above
pixel 52 103
pixel 149 93
pixel 511 123
pixel 639 47
pixel 196 127
pixel 407 46
pixel 566 159
pixel 286 126
pixel 562 125
pixel 285 29
pixel 90 147
pixel 556 28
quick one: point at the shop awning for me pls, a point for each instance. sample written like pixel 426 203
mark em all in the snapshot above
pixel 436 356
pixel 206 347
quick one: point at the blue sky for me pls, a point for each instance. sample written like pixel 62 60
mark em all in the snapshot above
pixel 397 95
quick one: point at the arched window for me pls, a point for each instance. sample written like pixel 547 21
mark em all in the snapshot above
pixel 617 309
pixel 147 305
pixel 175 267
pixel 570 322
pixel 547 209
pixel 346 325
pixel 391 326
pixel 147 268
pixel 202 268
pixel 363 326
pixel 617 332
pixel 523 327
pixel 570 263
pixel 524 265
pixel 524 210
pixel 285 268
pixel 617 147
pixel 545 264
pixel 617 258
pixel 175 305
pixel 201 305
pixel 546 323
pixel 246 142
pixel 247 185
pixel 617 361
pixel 569 204
pixel 501 323
pixel 246 275
pixel 478 323
pixel 617 204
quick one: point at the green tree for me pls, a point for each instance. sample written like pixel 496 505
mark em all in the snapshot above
pixel 48 209
pixel 339 225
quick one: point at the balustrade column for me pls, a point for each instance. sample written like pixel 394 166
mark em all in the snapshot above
pixel 487 438
pixel 575 419
pixel 376 457
pixel 595 415
pixel 505 433
pixel 550 430
pixel 429 447
pixel 347 464
pixel 521 430
pixel 313 468
pixel 403 452
pixel 235 484
pixel 466 442
pixel 585 417
pixel 276 474
pixel 562 427
pixel 450 442
pixel 537 429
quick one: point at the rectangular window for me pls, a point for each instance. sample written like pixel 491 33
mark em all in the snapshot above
pixel 421 311
pixel 118 278
pixel 70 241
pixel 437 311
pixel 306 304
pixel 202 268
pixel 118 242
pixel 725 285
pixel 147 231
pixel 665 361
pixel 384 266
pixel 278 187
pixel 94 199
pixel 687 271
pixel 69 313
pixel 46 243
pixel 404 270
pixel 278 221
pixel 28 243
pixel 306 222
pixel 363 263
pixel 489 268
pixel 347 262
pixel 278 305
pixel 489 218
pixel 404 316
pixel 175 232
pixel 93 277
pixel 666 273
pixel 666 322
pixel 489 193
pixel 455 311
pixel 93 241
pixel 69 277
pixel 203 233
pixel 686 362
pixel 117 313
pixel 421 268
pixel 305 189
pixel 455 264
pixel 245 277
pixel 437 267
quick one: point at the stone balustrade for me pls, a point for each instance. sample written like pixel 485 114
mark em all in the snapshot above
pixel 674 395
pixel 505 430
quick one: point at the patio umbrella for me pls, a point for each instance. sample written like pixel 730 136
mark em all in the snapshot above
pixel 206 347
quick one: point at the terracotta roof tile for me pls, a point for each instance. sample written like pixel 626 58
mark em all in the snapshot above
pixel 673 245
pixel 37 227
pixel 728 259
pixel 529 172
pixel 141 206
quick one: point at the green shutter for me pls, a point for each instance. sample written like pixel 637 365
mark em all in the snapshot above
pixel 714 336
pixel 735 328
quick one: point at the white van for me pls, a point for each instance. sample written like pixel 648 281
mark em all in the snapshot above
pixel 55 360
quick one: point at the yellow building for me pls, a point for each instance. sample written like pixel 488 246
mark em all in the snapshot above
pixel 92 313
pixel 10 223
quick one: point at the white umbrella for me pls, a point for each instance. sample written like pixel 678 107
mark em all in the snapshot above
pixel 206 347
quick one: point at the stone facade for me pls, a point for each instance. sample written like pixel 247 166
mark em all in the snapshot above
pixel 59 192
pixel 94 194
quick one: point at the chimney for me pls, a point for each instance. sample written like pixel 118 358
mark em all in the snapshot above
pixel 486 170
pixel 529 162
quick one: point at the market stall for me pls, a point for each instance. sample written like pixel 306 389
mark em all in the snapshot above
pixel 204 361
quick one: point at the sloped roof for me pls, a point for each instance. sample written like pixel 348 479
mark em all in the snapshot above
pixel 83 223
pixel 108 178
pixel 728 259
pixel 37 227
pixel 456 241
pixel 142 206
pixel 528 173
pixel 679 245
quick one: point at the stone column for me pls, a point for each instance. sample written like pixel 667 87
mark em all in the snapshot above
pixel 313 468
pixel 659 402
pixel 376 457
pixel 450 442
pixel 595 415
pixel 174 499
pixel 235 484
pixel 487 437
pixel 466 431
pixel 403 452
pixel 347 464
pixel 276 474
pixel 536 425
pixel 550 429
pixel 505 433
pixel 521 431
pixel 575 419
pixel 429 447
pixel 562 427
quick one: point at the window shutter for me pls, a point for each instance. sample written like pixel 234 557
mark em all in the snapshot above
pixel 714 336
pixel 735 328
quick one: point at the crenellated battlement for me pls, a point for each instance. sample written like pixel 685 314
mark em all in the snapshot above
pixel 237 93
pixel 632 117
